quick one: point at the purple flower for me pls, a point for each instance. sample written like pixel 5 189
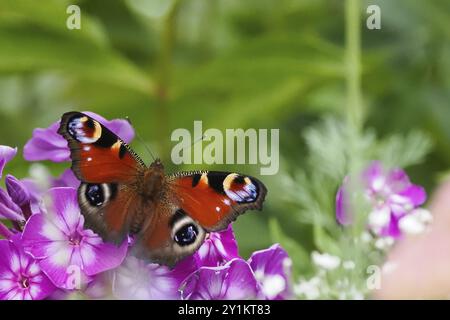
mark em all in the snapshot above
pixel 8 209
pixel 137 279
pixel 272 269
pixel 17 204
pixel 232 281
pixel 391 196
pixel 66 251
pixel 218 248
pixel 17 191
pixel 47 144
pixel 21 278
pixel 6 154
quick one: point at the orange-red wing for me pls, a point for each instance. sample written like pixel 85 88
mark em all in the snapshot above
pixel 98 155
pixel 108 209
pixel 214 199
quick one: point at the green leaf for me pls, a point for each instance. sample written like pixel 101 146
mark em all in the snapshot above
pixel 50 15
pixel 405 150
pixel 324 242
pixel 23 51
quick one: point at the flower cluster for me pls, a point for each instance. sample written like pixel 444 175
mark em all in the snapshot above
pixel 46 251
pixel 392 204
pixel 393 200
pixel 324 282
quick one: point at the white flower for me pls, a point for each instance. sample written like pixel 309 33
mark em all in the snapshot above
pixel 384 243
pixel 416 222
pixel 273 285
pixel 348 265
pixel 308 288
pixel 325 260
pixel 379 218
pixel 366 237
pixel 355 294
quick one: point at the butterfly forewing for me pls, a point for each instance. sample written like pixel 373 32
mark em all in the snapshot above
pixel 98 155
pixel 214 198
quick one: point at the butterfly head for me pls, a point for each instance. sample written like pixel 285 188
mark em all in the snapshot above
pixel 157 164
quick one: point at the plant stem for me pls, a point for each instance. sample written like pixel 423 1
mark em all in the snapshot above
pixel 353 63
pixel 354 110
pixel 164 76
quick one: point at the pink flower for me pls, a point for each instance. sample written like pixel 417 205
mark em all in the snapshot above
pixel 64 249
pixel 272 269
pixel 218 249
pixel 6 154
pixel 265 275
pixel 21 278
pixel 390 194
pixel 138 279
pixel 233 281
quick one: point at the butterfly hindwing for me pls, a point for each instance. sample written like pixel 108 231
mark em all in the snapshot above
pixel 169 235
pixel 214 198
pixel 109 209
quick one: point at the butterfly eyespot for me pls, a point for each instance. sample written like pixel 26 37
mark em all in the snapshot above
pixel 240 189
pixel 84 129
pixel 186 235
pixel 95 194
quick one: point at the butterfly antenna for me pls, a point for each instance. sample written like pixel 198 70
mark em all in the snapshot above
pixel 141 140
pixel 196 141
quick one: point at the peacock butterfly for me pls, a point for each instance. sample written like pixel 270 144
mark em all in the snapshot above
pixel 169 215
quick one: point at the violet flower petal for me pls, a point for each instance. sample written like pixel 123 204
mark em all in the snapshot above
pixel 272 268
pixel 8 209
pixel 232 281
pixel 397 180
pixel 47 144
pixel 371 175
pixel 17 190
pixel 218 248
pixel 416 194
pixel 6 154
pixel 98 256
pixel 137 279
pixel 343 211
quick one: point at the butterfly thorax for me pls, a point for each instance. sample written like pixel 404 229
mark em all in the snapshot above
pixel 153 182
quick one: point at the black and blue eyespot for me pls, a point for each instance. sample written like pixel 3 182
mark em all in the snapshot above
pixel 186 235
pixel 95 195
pixel 184 230
pixel 98 194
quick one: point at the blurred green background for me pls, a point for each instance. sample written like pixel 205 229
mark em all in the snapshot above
pixel 232 64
